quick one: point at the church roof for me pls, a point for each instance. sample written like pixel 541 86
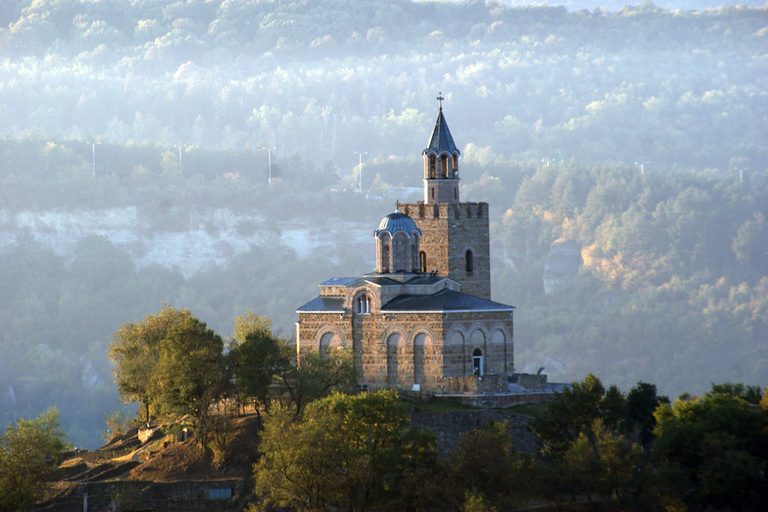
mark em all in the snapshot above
pixel 400 278
pixel 324 304
pixel 443 301
pixel 441 139
pixel 395 222
pixel 341 281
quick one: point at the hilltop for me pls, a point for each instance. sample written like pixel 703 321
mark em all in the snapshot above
pixel 164 471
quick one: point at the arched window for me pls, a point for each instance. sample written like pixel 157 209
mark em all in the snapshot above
pixel 422 261
pixel 385 258
pixel 477 362
pixel 444 166
pixel 469 262
pixel 455 165
pixel 400 252
pixel 363 304
pixel 432 163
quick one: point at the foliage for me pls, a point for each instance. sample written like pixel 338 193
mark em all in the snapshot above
pixel 492 473
pixel 571 414
pixel 344 451
pixel 256 357
pixel 29 453
pixel 118 423
pixel 191 374
pixel 313 376
pixel 720 443
pixel 136 351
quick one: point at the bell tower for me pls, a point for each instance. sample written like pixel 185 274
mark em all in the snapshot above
pixel 441 163
pixel 455 240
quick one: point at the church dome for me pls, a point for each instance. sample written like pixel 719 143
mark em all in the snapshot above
pixel 397 222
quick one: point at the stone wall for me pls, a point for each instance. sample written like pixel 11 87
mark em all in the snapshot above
pixel 449 426
pixel 474 384
pixel 127 495
pixel 403 349
pixel 531 381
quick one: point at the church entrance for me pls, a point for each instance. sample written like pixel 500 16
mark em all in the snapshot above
pixel 477 362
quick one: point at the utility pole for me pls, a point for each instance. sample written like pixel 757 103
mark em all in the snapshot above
pixel 181 166
pixel 269 162
pixel 93 147
pixel 360 166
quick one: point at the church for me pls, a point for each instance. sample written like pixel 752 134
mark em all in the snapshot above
pixel 424 317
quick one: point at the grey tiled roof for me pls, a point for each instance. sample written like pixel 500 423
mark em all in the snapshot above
pixel 444 300
pixel 441 139
pixel 403 278
pixel 340 281
pixel 324 304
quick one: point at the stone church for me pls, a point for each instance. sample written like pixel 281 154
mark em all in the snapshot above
pixel 425 315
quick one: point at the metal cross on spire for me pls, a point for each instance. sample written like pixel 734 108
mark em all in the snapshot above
pixel 440 99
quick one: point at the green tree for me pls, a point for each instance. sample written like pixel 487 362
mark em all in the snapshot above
pixel 345 451
pixel 315 376
pixel 487 467
pixel 191 374
pixel 720 442
pixel 135 352
pixel 642 401
pixel 256 357
pixel 29 453
pixel 570 414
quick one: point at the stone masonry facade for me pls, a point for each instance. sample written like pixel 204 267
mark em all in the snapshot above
pixel 449 230
pixel 424 319
pixel 398 350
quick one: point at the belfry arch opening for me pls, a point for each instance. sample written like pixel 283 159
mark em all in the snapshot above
pixel 363 304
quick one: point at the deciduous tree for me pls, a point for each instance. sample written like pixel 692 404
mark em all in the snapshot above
pixel 29 453
pixel 345 451
pixel 135 352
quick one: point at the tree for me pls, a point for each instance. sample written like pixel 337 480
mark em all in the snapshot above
pixel 642 401
pixel 345 451
pixel 256 356
pixel 29 453
pixel 571 413
pixel 315 376
pixel 191 375
pixel 135 352
pixel 720 443
pixel 487 466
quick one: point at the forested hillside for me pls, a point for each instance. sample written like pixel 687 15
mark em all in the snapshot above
pixel 637 135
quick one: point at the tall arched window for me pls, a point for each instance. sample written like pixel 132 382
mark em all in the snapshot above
pixel 385 258
pixel 432 163
pixel 469 262
pixel 363 304
pixel 422 261
pixel 444 166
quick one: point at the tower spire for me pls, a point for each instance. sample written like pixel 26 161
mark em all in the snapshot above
pixel 441 163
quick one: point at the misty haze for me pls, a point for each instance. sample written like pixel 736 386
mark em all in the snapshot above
pixel 227 156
